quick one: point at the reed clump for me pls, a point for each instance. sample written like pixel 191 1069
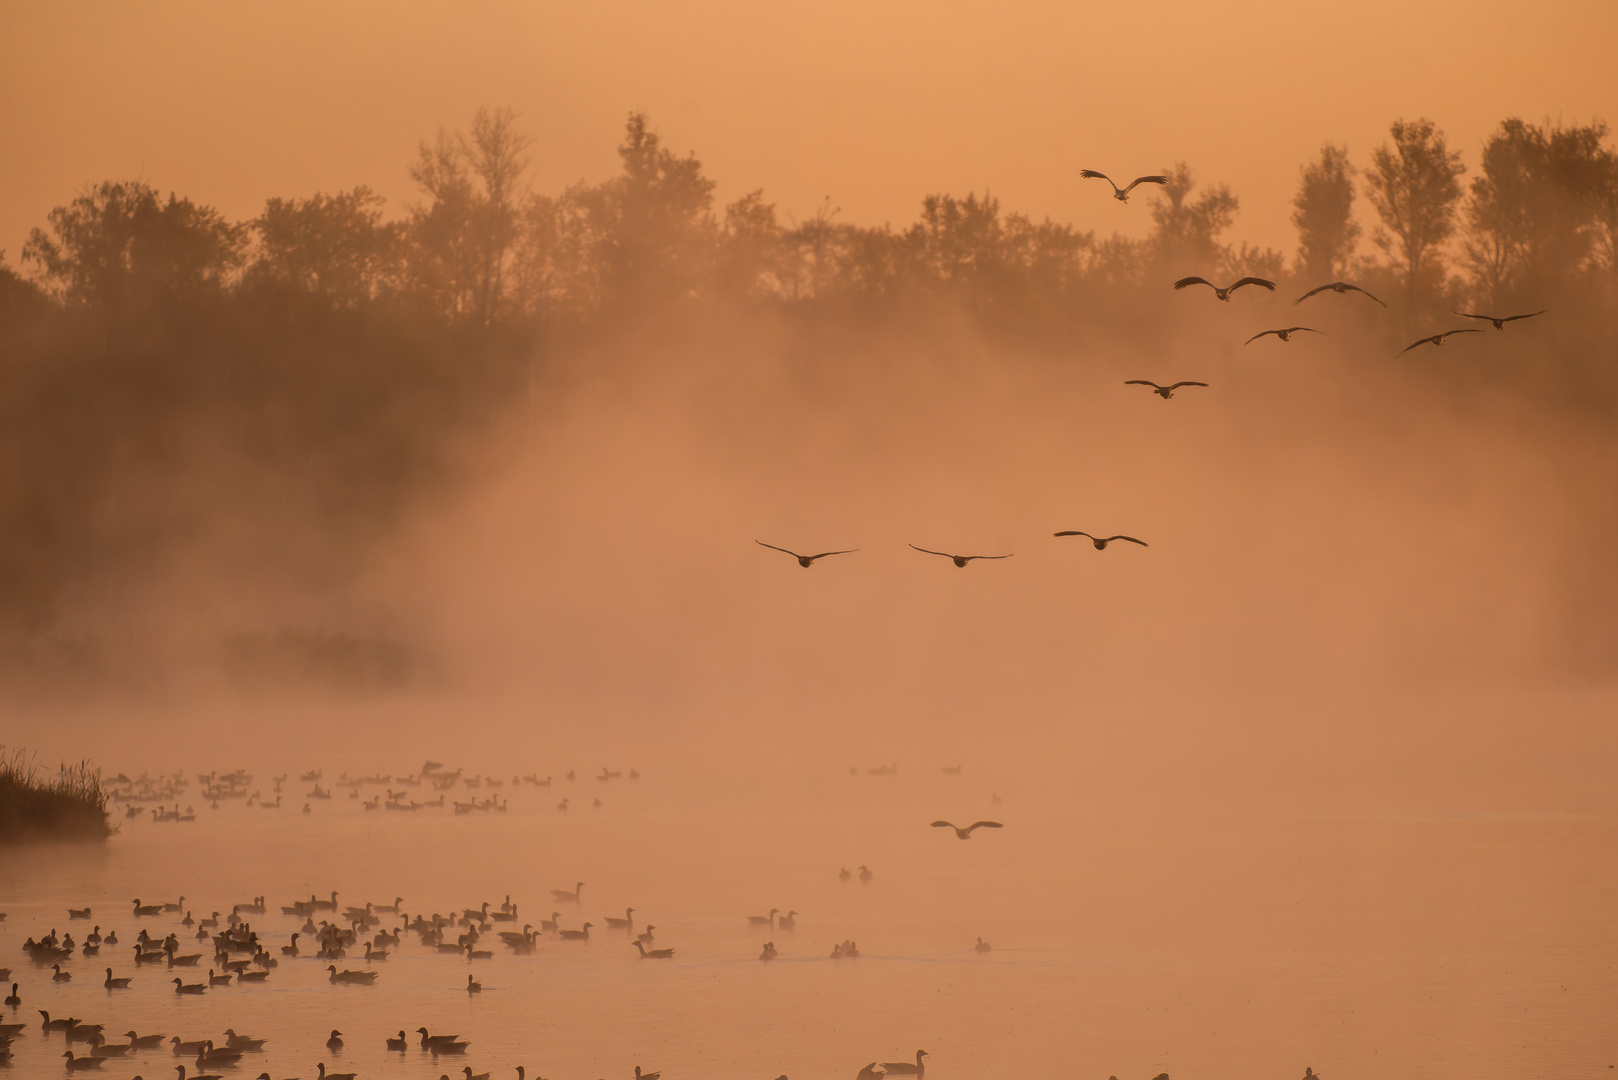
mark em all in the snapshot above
pixel 38 806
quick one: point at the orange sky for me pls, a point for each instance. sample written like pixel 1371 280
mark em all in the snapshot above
pixel 871 103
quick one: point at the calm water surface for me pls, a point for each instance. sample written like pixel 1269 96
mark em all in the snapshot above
pixel 1444 944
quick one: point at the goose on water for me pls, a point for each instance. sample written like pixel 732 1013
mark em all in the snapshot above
pixel 625 923
pixel 652 954
pixel 763 920
pixel 144 1042
pixel 473 986
pixel 645 937
pixel 188 1049
pixel 197 1076
pixel 84 1064
pixel 789 921
pixel 646 1076
pixel 12 999
pixel 181 987
pixel 324 1075
pixel 577 935
pixel 905 1068
pixel 114 984
pixel 569 897
pixel 336 1040
pixel 401 1043
pixel 100 1047
pixel 470 1075
pixel 242 1042
pixel 981 946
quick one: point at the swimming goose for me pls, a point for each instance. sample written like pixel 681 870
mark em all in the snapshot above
pixel 60 975
pixel 144 1042
pixel 966 833
pixel 336 1040
pixel 242 1042
pixel 904 1068
pixel 844 874
pixel 981 946
pixel 78 913
pixel 210 1055
pixel 865 874
pixel 551 923
pixel 324 1075
pixel 652 954
pixel 254 976
pixel 56 1025
pixel 789 921
pixel 373 955
pixel 763 920
pixel 871 1072
pixel 198 1076
pixel 84 1063
pixel 292 949
pixel 218 980
pixel 188 1049
pixel 478 954
pixel 94 937
pixel 645 937
pixel 100 1047
pixel 569 897
pixel 178 905
pixel 470 1075
pixel 147 909
pixel 646 1076
pixel 188 988
pixel 578 935
pixel 358 978
pixel 429 1041
pixel 625 923
pixel 114 984
pixel 401 1043
pixel 12 1000
pixel 769 952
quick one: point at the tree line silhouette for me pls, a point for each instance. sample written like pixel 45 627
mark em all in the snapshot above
pixel 319 361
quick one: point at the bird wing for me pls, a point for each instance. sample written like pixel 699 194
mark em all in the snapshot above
pixel 1145 180
pixel 984 825
pixel 1356 288
pixel 1312 330
pixel 1467 330
pixel 942 825
pixel 1141 382
pixel 1183 282
pixel 970 557
pixel 946 554
pixel 1267 283
pixel 1131 539
pixel 1530 315
pixel 772 547
pixel 1188 382
pixel 1423 341
pixel 1311 292
pixel 823 554
pixel 1469 315
pixel 1255 337
pixel 1091 174
pixel 1073 532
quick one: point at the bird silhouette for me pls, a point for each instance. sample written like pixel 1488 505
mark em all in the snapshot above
pixel 966 833
pixel 1336 287
pixel 805 561
pixel 1164 392
pixel 1437 339
pixel 1224 294
pixel 1099 541
pixel 1501 320
pixel 960 560
pixel 905 1068
pixel 1284 335
pixel 1122 194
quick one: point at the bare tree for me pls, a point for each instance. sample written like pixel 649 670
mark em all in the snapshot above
pixel 1415 186
pixel 1323 212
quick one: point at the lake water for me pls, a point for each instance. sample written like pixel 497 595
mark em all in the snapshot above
pixel 1443 944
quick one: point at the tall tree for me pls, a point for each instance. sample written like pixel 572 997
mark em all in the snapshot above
pixel 333 246
pixel 1187 231
pixel 119 245
pixel 1323 212
pixel 1535 211
pixel 1415 186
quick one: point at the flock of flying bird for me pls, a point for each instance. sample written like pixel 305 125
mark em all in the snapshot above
pixel 1166 392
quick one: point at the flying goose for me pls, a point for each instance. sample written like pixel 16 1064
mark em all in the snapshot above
pixel 652 954
pixel 1437 339
pixel 1499 324
pixel 1224 294
pixel 1122 194
pixel 1336 287
pixel 805 561
pixel 960 560
pixel 1100 542
pixel 1284 335
pixel 1164 392
pixel 966 833
pixel 905 1068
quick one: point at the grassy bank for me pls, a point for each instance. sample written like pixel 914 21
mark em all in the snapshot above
pixel 36 806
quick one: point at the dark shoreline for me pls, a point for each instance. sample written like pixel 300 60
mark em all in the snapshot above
pixel 37 807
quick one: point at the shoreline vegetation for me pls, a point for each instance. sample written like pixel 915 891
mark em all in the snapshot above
pixel 36 806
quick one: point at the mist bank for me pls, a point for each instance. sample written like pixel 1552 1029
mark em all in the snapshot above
pixel 288 455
